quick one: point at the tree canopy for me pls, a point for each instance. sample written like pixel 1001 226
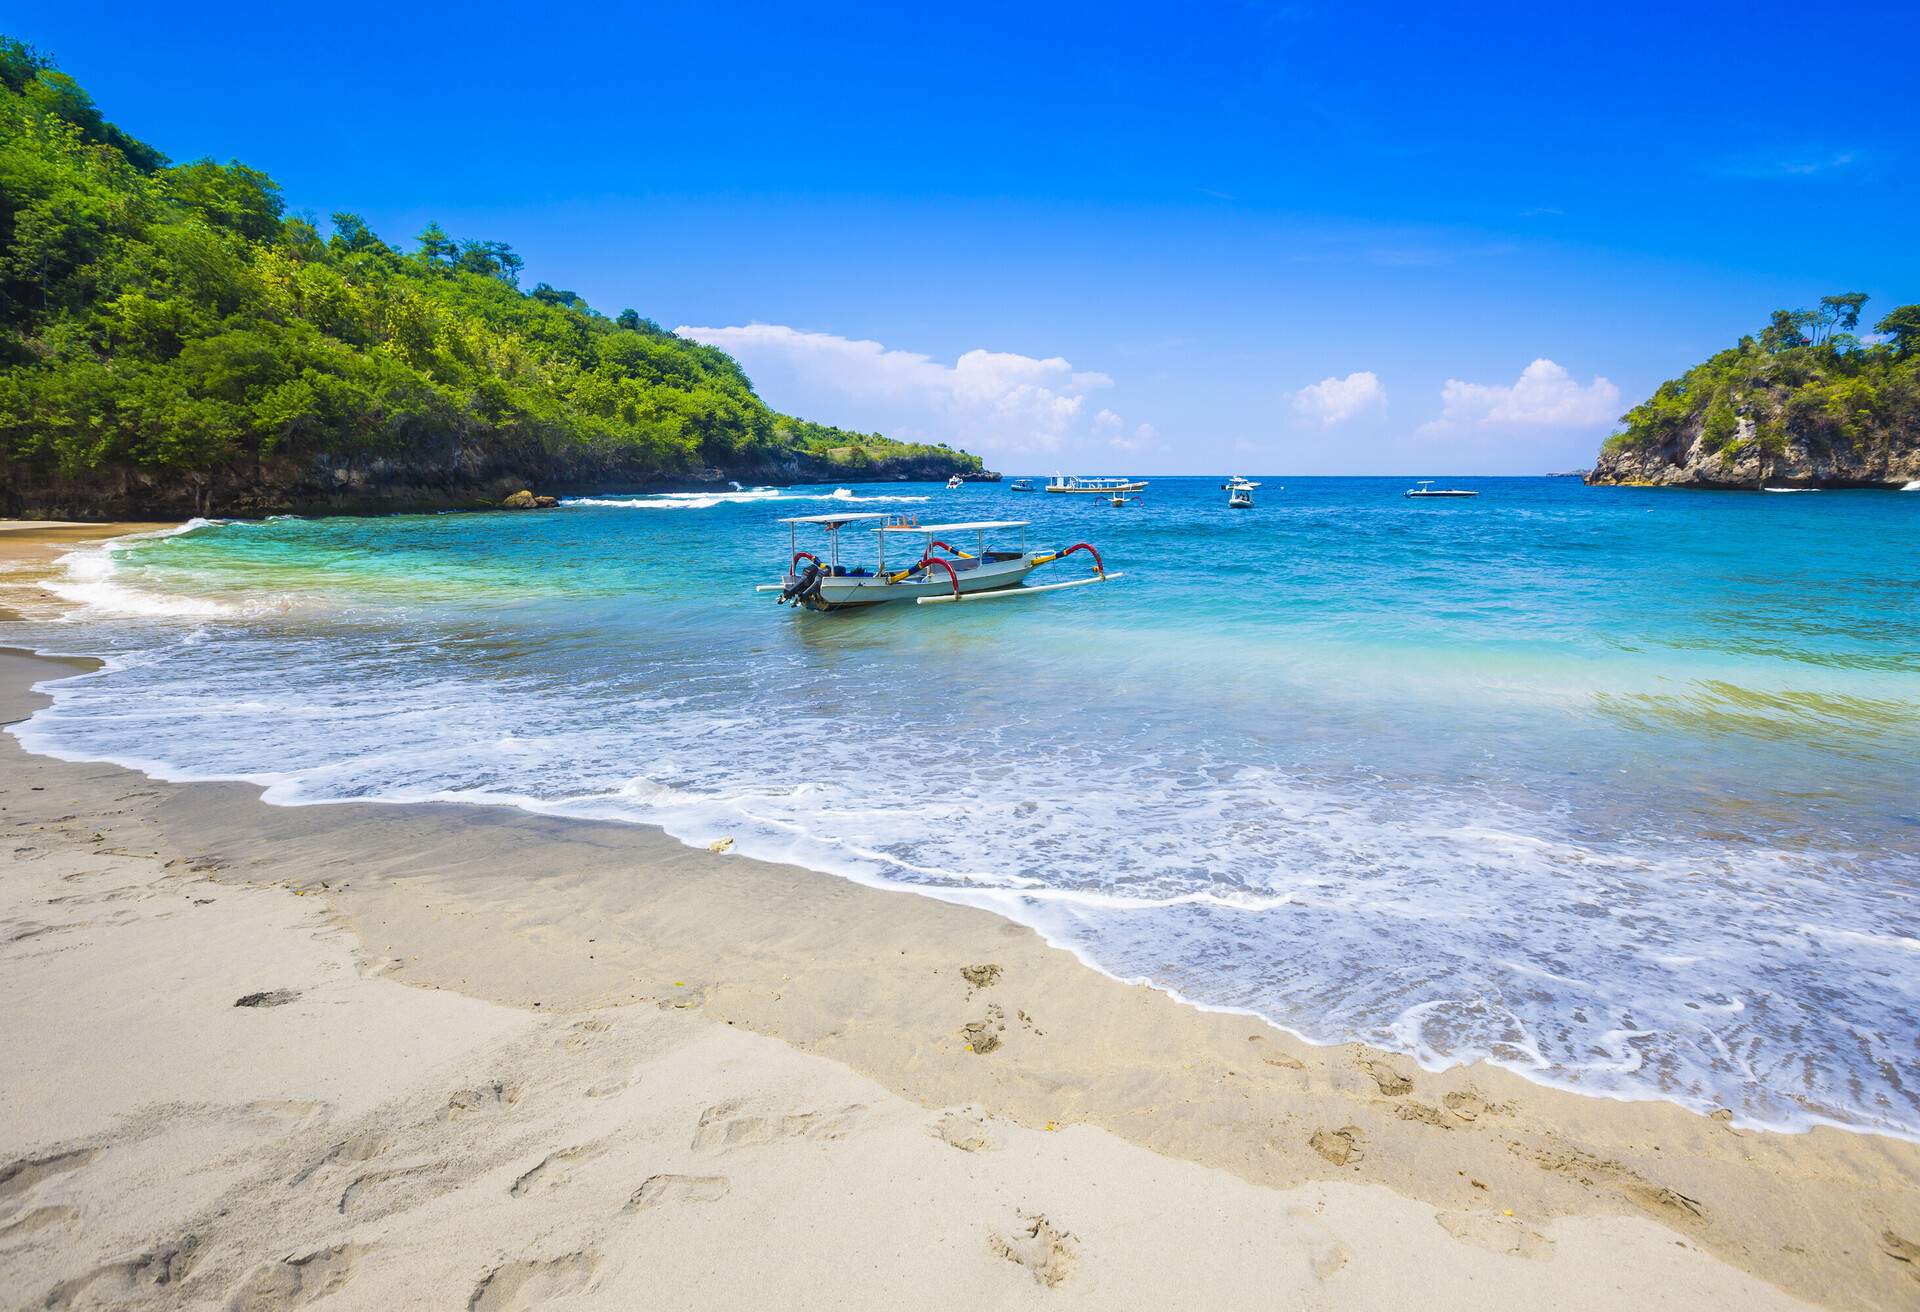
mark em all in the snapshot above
pixel 174 317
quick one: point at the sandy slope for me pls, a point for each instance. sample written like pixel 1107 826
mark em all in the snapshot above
pixel 491 1060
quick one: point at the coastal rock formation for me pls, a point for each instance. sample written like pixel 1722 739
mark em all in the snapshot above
pixel 1806 403
pixel 1687 459
pixel 450 474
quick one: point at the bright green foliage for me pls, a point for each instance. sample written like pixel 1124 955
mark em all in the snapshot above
pixel 1901 327
pixel 172 317
pixel 1806 379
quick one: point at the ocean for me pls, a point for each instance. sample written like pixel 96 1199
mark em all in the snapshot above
pixel 1617 788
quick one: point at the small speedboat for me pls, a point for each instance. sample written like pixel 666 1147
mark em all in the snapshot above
pixel 1239 492
pixel 955 481
pixel 938 572
pixel 1020 485
pixel 1425 488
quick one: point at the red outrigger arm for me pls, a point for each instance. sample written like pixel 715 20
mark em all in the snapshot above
pixel 935 560
pixel 1098 568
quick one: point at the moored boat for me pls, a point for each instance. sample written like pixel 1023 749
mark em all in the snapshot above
pixel 1239 492
pixel 1425 488
pixel 1097 487
pixel 990 569
pixel 954 482
pixel 1020 485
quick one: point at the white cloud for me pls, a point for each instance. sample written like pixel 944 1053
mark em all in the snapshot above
pixel 1787 165
pixel 1544 396
pixel 1336 400
pixel 1143 438
pixel 998 400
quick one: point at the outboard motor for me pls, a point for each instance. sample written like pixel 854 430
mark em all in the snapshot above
pixel 804 588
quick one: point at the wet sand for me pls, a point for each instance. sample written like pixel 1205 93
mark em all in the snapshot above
pixel 491 1059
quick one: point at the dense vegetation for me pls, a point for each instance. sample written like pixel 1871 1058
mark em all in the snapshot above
pixel 1806 384
pixel 173 320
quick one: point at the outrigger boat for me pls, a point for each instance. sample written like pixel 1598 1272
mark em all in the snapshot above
pixel 953 575
pixel 1425 488
pixel 1098 487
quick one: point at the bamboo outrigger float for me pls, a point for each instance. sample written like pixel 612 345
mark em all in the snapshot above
pixel 952 575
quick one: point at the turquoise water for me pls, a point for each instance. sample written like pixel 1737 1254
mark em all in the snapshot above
pixel 1618 788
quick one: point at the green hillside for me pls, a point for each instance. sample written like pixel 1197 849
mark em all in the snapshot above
pixel 169 333
pixel 1805 401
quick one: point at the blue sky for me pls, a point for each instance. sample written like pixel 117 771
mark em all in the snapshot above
pixel 1266 237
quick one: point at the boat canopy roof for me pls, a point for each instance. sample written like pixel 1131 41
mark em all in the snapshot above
pixel 835 521
pixel 980 525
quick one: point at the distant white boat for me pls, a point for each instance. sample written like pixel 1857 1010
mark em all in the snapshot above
pixel 1239 492
pixel 1790 489
pixel 1912 487
pixel 955 481
pixel 1099 487
pixel 1425 488
pixel 1020 485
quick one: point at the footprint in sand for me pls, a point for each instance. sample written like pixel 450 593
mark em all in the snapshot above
pixel 1901 1250
pixel 730 1125
pixel 1471 1105
pixel 1667 1204
pixel 521 1286
pixel 666 1190
pixel 1496 1234
pixel 555 1170
pixel 1341 1147
pixel 583 1034
pixel 965 1130
pixel 17 1177
pixel 980 977
pixel 1391 1082
pixel 1424 1114
pixel 1047 1252
pixel 296 1281
pixel 480 1099
pixel 1324 1252
pixel 387 1191
pixel 983 1036
pixel 362 1147
pixel 24 1228
pixel 125 1280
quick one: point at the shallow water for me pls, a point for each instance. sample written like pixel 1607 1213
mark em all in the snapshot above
pixel 1616 787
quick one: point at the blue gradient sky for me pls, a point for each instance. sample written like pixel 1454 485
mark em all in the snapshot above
pixel 1159 229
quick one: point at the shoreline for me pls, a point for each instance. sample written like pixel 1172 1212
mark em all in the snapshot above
pixel 981 902
pixel 564 918
pixel 993 902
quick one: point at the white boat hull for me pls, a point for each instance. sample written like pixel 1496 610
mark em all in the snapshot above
pixel 871 590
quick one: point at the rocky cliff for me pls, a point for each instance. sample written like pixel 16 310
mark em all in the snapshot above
pixel 1686 458
pixel 446 476
pixel 1804 403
